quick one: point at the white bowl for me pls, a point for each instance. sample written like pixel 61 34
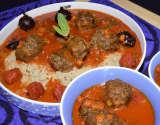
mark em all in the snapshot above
pixel 52 109
pixel 155 61
pixel 101 75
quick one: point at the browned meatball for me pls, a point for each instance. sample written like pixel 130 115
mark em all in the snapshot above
pixel 114 42
pixel 116 93
pixel 100 41
pixel 85 21
pixel 60 60
pixel 109 23
pixel 31 48
pixel 35 90
pixel 78 48
pixel 95 113
pixel 128 60
pixel 88 105
pixel 13 75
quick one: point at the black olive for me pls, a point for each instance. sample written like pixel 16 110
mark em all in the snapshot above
pixel 13 44
pixel 129 39
pixel 66 13
pixel 26 23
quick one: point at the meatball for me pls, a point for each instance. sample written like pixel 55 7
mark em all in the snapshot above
pixel 109 23
pixel 32 47
pixel 128 60
pixel 88 105
pixel 95 113
pixel 114 42
pixel 60 60
pixel 58 91
pixel 13 75
pixel 78 48
pixel 85 21
pixel 100 41
pixel 116 93
pixel 35 90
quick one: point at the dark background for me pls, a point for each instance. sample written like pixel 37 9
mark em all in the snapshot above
pixel 152 5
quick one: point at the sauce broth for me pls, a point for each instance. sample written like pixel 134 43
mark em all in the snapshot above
pixel 138 112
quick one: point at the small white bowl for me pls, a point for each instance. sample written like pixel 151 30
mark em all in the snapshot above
pixel 52 109
pixel 155 61
pixel 101 75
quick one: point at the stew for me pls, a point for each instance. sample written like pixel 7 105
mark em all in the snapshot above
pixel 114 102
pixel 44 56
pixel 157 75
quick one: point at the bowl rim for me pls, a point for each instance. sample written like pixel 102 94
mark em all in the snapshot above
pixel 63 4
pixel 150 65
pixel 99 68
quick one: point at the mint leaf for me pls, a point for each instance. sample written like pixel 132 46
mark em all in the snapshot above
pixel 63 24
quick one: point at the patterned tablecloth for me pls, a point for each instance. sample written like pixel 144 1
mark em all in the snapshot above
pixel 11 115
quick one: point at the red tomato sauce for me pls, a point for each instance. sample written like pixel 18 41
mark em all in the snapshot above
pixel 138 112
pixel 46 21
pixel 157 75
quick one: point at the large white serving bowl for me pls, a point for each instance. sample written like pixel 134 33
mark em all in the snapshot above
pixel 52 109
pixel 101 75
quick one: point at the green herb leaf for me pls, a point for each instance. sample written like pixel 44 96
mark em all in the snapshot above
pixel 63 24
pixel 58 30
